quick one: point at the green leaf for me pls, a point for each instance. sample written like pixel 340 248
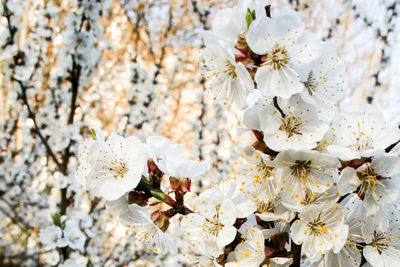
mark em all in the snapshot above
pixel 56 219
pixel 250 16
pixel 158 195
pixel 93 134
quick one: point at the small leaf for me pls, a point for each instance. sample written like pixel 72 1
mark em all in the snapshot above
pixel 93 134
pixel 56 219
pixel 250 16
pixel 158 195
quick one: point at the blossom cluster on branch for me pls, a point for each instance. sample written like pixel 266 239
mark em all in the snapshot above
pixel 132 67
pixel 312 184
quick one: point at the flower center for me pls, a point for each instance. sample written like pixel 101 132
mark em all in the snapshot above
pixel 264 170
pixel 230 69
pixel 369 180
pixel 301 168
pixel 277 58
pixel 380 241
pixel 363 142
pixel 317 227
pixel 291 125
pixel 212 226
pixel 119 169
pixel 310 84
pixel 265 206
pixel 308 199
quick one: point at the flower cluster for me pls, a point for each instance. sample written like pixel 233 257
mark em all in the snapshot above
pixel 312 184
pixel 128 174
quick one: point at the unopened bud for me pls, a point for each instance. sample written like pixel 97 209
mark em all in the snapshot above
pixel 161 220
pixel 181 184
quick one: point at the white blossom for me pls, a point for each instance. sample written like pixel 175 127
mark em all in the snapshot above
pixel 215 215
pixel 280 262
pixel 361 134
pixel 376 182
pixel 251 251
pixel 159 148
pixel 208 254
pixel 382 243
pixel 302 171
pixel 75 260
pixel 52 257
pixel 50 236
pixel 284 46
pixel 320 229
pixel 269 204
pixel 324 83
pixel 169 159
pixel 211 222
pixel 229 23
pixel 84 166
pixel 349 255
pixel 179 166
pixel 230 82
pixel 138 220
pixel 117 166
pixel 74 237
pixel 256 168
pixel 15 7
pixel 298 128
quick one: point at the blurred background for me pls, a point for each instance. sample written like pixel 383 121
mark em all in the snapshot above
pixel 133 68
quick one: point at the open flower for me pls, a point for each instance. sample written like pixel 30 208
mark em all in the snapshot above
pixel 256 168
pixel 376 182
pixel 208 254
pixel 331 195
pixel 181 167
pixel 323 82
pixel 269 203
pixel 159 148
pixel 349 255
pixel 299 127
pixel 230 81
pixel 138 219
pixel 74 237
pixel 169 159
pixel 320 229
pixel 50 237
pixel 211 222
pixel 382 241
pixel 284 46
pixel 361 134
pixel 251 251
pixel 52 257
pixel 84 167
pixel 229 23
pixel 117 166
pixel 303 172
pixel 215 212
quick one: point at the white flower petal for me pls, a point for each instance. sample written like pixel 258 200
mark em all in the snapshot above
pixel 348 181
pixel 227 212
pixel 226 236
pixel 373 257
